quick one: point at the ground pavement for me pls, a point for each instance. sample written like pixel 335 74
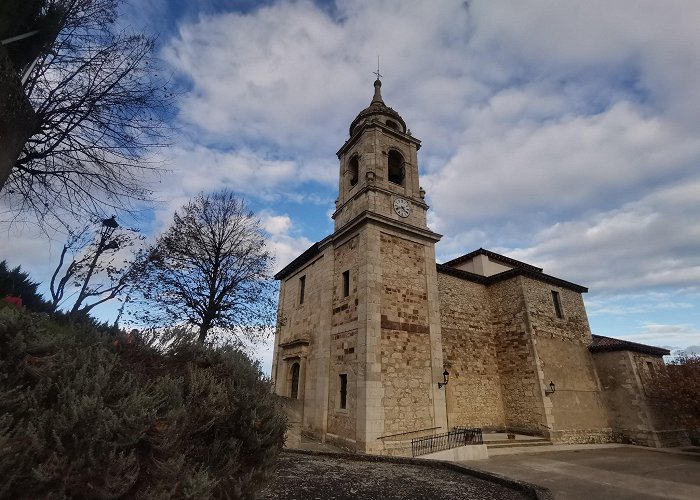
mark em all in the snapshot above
pixel 619 473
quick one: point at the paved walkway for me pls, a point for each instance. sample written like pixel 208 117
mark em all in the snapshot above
pixel 621 472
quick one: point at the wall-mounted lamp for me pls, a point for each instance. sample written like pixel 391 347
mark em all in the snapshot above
pixel 551 388
pixel 445 378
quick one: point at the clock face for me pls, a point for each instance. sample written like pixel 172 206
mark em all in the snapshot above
pixel 402 207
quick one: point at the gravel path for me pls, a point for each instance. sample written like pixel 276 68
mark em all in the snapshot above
pixel 310 477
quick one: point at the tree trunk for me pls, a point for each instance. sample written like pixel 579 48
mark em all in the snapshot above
pixel 203 329
pixel 17 118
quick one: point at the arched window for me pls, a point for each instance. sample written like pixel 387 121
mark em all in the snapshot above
pixel 392 124
pixel 396 167
pixel 295 381
pixel 353 170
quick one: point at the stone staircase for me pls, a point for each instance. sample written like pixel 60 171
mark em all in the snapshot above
pixel 498 441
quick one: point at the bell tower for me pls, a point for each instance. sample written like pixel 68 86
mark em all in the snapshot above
pixel 385 353
pixel 379 168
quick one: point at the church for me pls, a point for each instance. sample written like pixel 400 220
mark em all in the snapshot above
pixel 378 344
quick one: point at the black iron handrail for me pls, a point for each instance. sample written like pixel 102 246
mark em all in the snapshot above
pixel 458 436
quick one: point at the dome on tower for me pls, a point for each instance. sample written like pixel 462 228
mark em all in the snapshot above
pixel 380 111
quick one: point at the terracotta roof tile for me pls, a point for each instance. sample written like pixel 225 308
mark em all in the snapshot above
pixel 601 343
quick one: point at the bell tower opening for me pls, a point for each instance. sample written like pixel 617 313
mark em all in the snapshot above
pixel 353 171
pixel 396 168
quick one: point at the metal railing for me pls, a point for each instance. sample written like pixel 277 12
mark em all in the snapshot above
pixel 458 436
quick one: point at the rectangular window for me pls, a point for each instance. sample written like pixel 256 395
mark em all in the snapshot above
pixel 343 391
pixel 302 287
pixel 557 304
pixel 346 283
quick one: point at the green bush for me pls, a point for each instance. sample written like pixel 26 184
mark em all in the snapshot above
pixel 15 282
pixel 82 416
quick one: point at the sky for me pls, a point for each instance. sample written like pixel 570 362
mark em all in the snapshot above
pixel 562 133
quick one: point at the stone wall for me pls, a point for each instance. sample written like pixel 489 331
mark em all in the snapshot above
pixel 561 345
pixel 341 421
pixel 405 339
pixel 638 418
pixel 300 338
pixel 470 355
pixel 344 348
pixel 345 308
pixel 301 320
pixel 650 369
pixel 520 383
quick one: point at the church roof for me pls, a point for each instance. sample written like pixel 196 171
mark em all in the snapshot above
pixel 606 344
pixel 493 256
pixel 377 107
pixel 511 273
pixel 521 269
pixel 305 257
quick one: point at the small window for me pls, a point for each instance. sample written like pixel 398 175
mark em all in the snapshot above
pixel 650 367
pixel 343 391
pixel 557 304
pixel 397 170
pixel 346 283
pixel 353 170
pixel 392 124
pixel 302 288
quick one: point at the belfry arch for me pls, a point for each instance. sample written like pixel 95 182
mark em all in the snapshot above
pixel 396 169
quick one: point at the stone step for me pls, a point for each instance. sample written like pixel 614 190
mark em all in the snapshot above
pixel 528 439
pixel 517 444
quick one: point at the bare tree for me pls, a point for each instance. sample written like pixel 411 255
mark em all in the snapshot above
pixel 25 27
pixel 96 269
pixel 211 269
pixel 99 107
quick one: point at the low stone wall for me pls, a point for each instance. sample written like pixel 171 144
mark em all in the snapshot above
pixel 398 448
pixel 342 443
pixel 672 438
pixel 460 453
pixel 586 436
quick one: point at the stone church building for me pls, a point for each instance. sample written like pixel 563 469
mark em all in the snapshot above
pixel 380 344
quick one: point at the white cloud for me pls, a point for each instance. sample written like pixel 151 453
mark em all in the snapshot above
pixel 565 134
pixel 651 242
pixel 674 336
pixel 284 243
pixel 277 224
pixel 643 303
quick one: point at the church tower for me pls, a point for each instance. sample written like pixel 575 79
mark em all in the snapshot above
pixel 379 168
pixel 358 348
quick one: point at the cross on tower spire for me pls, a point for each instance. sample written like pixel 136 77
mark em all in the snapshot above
pixel 379 76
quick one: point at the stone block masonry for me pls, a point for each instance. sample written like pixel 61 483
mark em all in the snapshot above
pixel 470 355
pixel 405 340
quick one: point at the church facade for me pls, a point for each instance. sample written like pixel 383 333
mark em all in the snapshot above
pixel 378 344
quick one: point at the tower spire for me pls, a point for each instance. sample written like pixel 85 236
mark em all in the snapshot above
pixel 377 98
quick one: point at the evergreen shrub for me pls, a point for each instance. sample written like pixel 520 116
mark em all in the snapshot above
pixel 83 416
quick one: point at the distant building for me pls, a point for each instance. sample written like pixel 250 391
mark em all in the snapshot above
pixel 369 323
